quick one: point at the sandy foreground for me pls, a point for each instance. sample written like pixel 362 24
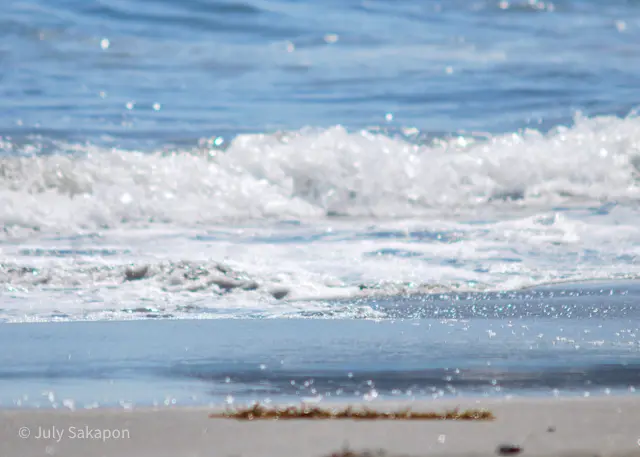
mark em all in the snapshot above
pixel 602 426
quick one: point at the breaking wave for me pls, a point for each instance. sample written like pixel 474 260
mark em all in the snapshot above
pixel 315 173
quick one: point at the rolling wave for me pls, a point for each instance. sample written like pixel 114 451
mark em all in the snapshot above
pixel 315 174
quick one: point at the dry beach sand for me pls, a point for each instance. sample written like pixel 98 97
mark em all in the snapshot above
pixel 597 426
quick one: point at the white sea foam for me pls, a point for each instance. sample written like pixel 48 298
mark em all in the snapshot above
pixel 312 173
pixel 93 233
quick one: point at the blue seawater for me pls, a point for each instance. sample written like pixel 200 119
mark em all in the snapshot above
pixel 92 71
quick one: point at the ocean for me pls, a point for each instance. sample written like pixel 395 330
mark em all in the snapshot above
pixel 316 168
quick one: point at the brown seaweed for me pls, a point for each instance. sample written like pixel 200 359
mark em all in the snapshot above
pixel 258 411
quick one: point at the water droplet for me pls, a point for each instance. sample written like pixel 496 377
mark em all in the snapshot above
pixel 157 106
pixel 104 44
pixel 388 117
pixel 331 38
pixel 127 405
pixel 130 105
pixel 372 394
pixel 126 198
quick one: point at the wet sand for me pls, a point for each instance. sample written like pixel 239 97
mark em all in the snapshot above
pixel 596 426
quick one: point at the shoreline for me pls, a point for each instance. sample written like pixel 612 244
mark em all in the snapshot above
pixel 417 404
pixel 434 292
pixel 386 403
pixel 608 426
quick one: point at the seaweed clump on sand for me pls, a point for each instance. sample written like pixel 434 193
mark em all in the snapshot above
pixel 258 411
pixel 349 453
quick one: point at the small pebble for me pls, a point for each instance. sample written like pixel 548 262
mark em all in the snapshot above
pixel 551 429
pixel 509 449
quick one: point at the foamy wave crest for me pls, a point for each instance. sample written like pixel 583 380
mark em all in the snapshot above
pixel 314 173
